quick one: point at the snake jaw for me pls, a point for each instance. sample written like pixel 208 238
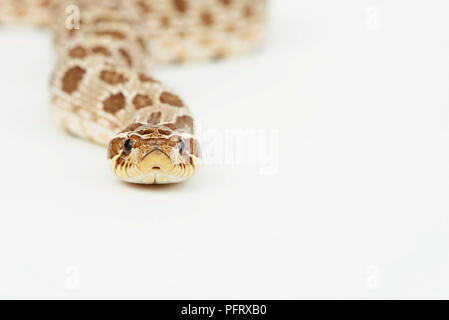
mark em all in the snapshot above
pixel 156 167
pixel 156 161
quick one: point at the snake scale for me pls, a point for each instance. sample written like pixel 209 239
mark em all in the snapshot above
pixel 100 86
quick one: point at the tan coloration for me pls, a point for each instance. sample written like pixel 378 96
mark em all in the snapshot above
pixel 112 33
pixel 180 5
pixel 154 118
pixel 248 12
pixel 207 19
pixel 114 103
pixel 126 56
pixel 112 77
pixel 144 7
pixel 221 53
pixel 78 52
pixel 171 99
pixel 101 50
pixel 144 78
pixel 72 78
pixel 225 2
pixel 142 44
pixel 165 22
pixel 184 123
pixel 132 127
pixel 100 90
pixel 141 101
pixel 114 147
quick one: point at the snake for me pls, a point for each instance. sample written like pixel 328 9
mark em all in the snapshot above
pixel 101 86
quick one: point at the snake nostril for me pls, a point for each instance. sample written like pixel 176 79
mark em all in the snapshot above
pixel 156 168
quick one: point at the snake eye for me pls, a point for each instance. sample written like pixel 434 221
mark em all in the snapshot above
pixel 181 146
pixel 128 145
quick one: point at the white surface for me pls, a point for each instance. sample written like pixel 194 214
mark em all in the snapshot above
pixel 358 208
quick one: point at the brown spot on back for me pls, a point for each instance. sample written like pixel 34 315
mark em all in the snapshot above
pixel 146 131
pixel 171 99
pixel 220 54
pixel 185 122
pixel 230 29
pixel 155 117
pixel 165 22
pixel 144 78
pixel 141 101
pixel 101 50
pixel 144 7
pixel 206 41
pixel 225 2
pixel 114 103
pixel 207 18
pixel 132 127
pixel 72 78
pixel 45 3
pixel 164 131
pixel 111 33
pixel 109 19
pixel 78 52
pixel 126 56
pixel 171 126
pixel 112 77
pixel 142 43
pixel 114 147
pixel 248 12
pixel 180 5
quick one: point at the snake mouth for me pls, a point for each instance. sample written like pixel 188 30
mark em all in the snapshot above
pixel 156 161
pixel 156 167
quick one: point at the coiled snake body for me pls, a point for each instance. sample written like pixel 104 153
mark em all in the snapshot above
pixel 100 88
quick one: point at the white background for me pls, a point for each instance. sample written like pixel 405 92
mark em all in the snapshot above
pixel 358 208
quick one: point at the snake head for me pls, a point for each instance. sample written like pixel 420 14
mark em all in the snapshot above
pixel 153 154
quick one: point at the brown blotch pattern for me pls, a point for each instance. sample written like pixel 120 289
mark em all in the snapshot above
pixel 141 101
pixel 111 33
pixel 144 78
pixel 45 3
pixel 155 118
pixel 220 54
pixel 101 50
pixel 165 22
pixel 207 19
pixel 225 2
pixel 248 12
pixel 146 131
pixel 72 78
pixel 165 132
pixel 126 56
pixel 142 43
pixel 78 52
pixel 171 99
pixel 144 7
pixel 180 5
pixel 185 122
pixel 112 77
pixel 132 127
pixel 230 29
pixel 114 103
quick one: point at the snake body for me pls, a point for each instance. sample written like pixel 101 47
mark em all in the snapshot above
pixel 100 86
